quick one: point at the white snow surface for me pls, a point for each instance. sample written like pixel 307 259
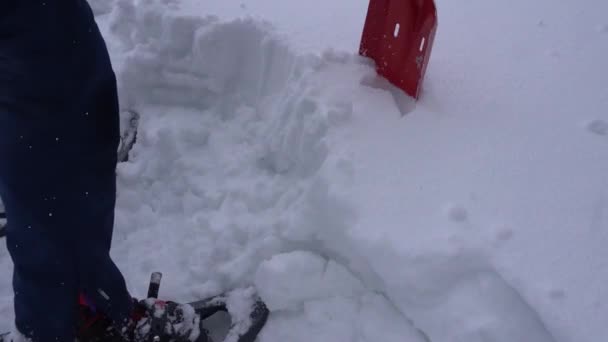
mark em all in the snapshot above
pixel 266 157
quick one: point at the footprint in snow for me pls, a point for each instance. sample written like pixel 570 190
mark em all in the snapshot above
pixel 599 127
pixel 456 213
pixel 504 234
pixel 557 294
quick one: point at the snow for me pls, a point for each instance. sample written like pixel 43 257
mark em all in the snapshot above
pixel 289 280
pixel 271 157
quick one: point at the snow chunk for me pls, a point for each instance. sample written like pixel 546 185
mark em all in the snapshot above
pixel 288 280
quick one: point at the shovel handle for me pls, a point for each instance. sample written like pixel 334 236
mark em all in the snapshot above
pixel 154 287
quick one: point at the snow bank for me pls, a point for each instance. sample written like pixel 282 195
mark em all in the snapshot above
pixel 243 173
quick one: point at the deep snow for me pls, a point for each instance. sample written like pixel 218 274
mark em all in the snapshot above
pixel 265 159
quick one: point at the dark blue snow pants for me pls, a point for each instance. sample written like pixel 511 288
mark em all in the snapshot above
pixel 59 132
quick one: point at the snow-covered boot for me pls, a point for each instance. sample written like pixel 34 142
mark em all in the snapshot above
pixel 166 322
pixel 152 320
pixel 95 326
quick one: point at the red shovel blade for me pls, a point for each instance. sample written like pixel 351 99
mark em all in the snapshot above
pixel 399 35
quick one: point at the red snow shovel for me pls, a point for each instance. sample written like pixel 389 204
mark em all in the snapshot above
pixel 398 36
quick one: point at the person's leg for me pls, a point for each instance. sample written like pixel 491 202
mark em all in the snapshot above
pixel 99 278
pixel 44 276
pixel 59 197
pixel 58 139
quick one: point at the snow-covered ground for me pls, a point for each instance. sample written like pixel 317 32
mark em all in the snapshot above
pixel 267 157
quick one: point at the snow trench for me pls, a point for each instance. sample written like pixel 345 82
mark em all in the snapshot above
pixel 241 177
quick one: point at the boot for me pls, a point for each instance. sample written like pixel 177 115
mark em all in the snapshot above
pixel 152 320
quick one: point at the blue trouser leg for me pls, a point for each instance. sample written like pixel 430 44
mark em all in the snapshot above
pixel 59 188
pixel 58 139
